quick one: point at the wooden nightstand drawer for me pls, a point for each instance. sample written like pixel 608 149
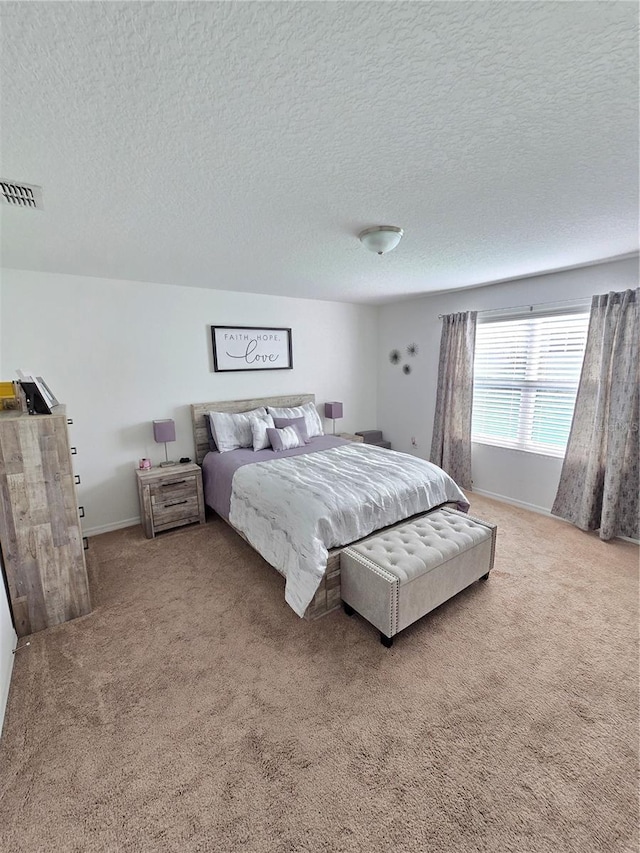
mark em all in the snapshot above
pixel 173 489
pixel 174 510
pixel 170 497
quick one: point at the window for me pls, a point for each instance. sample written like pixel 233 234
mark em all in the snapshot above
pixel 526 374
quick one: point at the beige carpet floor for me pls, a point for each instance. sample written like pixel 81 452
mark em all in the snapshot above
pixel 193 711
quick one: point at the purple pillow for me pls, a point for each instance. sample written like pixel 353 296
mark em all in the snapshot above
pixel 285 439
pixel 299 423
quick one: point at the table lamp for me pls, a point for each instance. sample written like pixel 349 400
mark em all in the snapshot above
pixel 164 431
pixel 333 411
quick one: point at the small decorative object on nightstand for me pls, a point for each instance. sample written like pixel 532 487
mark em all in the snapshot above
pixel 170 497
pixel 350 437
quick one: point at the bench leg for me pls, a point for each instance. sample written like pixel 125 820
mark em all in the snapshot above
pixel 485 577
pixel 386 641
pixel 348 609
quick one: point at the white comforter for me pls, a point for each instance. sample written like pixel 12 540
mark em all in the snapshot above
pixel 293 510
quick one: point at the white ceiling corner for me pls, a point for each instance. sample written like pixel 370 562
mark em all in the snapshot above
pixel 244 145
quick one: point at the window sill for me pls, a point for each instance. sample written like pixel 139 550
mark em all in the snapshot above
pixel 541 453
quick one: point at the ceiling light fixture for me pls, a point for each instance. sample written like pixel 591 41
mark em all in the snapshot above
pixel 381 238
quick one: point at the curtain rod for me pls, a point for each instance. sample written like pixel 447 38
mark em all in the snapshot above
pixel 586 300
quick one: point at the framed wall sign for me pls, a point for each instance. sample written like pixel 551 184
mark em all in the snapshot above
pixel 251 348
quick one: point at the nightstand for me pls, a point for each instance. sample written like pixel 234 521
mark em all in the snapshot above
pixel 170 497
pixel 350 437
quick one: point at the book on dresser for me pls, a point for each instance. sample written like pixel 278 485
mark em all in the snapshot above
pixel 40 532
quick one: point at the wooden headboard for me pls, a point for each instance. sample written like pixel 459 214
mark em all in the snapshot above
pixel 199 412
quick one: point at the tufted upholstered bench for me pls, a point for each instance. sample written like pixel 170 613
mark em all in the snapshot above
pixel 398 576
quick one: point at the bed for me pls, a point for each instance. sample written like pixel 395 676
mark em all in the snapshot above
pixel 299 508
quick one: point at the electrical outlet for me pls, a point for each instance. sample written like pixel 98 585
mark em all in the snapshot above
pixel 414 443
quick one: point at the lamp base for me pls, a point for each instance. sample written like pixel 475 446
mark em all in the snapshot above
pixel 167 464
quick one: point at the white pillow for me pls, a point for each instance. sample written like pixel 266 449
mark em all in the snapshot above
pixel 308 411
pixel 259 427
pixel 231 431
pixel 285 439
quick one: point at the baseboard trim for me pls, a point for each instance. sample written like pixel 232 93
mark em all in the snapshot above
pixel 107 528
pixel 540 510
pixel 522 504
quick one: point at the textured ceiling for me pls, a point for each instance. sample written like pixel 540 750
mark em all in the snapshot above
pixel 242 145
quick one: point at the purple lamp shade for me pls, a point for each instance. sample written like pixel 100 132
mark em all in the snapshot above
pixel 164 430
pixel 333 410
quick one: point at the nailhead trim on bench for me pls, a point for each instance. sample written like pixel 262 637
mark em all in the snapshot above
pixel 403 545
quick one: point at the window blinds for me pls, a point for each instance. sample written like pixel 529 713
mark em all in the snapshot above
pixel 526 374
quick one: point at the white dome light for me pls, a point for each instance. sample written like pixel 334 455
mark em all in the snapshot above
pixel 381 238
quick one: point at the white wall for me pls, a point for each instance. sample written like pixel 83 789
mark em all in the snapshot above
pixel 8 637
pixel 406 403
pixel 121 353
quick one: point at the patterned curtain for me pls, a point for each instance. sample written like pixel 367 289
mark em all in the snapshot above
pixel 451 442
pixel 599 483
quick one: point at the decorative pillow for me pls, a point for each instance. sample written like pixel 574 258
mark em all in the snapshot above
pixel 285 439
pixel 259 427
pixel 299 423
pixel 231 431
pixel 308 411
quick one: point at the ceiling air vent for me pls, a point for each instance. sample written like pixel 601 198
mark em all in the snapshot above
pixel 21 195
